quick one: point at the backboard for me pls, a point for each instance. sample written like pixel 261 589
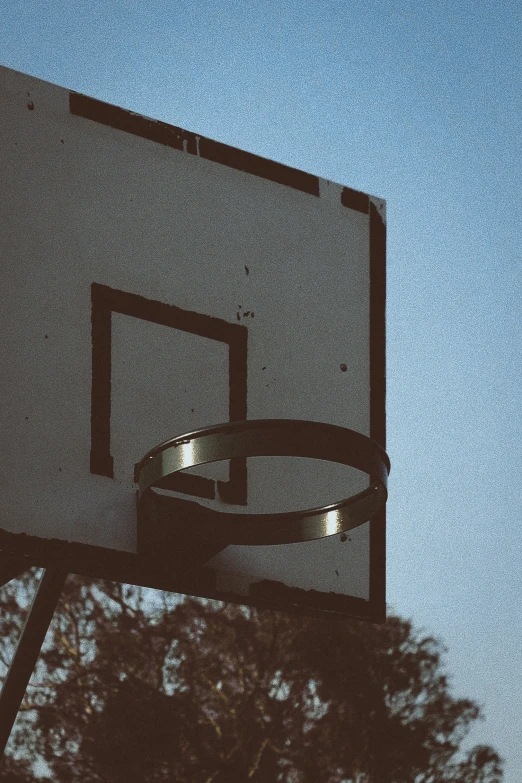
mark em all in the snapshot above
pixel 155 282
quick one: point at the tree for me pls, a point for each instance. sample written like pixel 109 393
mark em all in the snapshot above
pixel 142 686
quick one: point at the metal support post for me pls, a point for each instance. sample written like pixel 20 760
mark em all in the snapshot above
pixel 28 649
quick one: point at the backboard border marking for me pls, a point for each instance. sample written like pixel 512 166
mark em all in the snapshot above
pixel 192 143
pixel 378 400
pixel 104 302
pixel 355 199
pixel 128 568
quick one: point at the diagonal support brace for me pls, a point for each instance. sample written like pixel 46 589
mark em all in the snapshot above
pixel 28 648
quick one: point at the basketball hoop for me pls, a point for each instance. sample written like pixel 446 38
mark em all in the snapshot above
pixel 271 438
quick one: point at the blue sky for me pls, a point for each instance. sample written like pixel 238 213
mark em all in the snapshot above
pixel 418 103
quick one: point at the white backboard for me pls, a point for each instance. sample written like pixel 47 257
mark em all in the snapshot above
pixel 155 282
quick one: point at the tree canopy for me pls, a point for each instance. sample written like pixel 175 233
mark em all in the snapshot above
pixel 138 686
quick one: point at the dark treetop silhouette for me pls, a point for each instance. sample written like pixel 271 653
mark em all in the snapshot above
pixel 141 686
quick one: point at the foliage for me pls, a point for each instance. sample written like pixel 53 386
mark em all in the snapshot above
pixel 140 686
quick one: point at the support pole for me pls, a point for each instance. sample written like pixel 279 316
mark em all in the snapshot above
pixel 28 649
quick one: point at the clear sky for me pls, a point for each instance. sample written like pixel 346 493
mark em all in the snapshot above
pixel 418 103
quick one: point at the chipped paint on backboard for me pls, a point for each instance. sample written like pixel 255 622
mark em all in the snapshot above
pixel 380 205
pixel 330 191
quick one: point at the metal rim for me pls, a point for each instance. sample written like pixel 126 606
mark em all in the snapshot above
pixel 270 437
